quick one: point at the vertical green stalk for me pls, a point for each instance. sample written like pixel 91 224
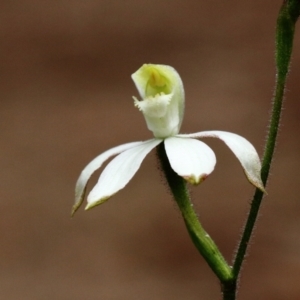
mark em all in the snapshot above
pixel 285 30
pixel 200 238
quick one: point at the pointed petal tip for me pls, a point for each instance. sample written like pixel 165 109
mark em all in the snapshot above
pixel 263 190
pixel 92 204
pixel 257 182
pixel 78 201
pixel 89 206
pixel 260 186
pixel 73 211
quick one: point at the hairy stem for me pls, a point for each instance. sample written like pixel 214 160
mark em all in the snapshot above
pixel 199 236
pixel 285 30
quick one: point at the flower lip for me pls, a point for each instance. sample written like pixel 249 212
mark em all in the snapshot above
pixel 154 106
pixel 162 103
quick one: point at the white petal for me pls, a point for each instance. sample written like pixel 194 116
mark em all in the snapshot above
pixel 242 149
pixel 190 158
pixel 95 164
pixel 119 172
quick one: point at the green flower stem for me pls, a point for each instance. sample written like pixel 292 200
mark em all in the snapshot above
pixel 285 30
pixel 200 238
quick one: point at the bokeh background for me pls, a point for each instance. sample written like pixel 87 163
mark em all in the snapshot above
pixel 66 97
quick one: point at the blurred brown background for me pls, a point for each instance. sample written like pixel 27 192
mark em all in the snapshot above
pixel 66 97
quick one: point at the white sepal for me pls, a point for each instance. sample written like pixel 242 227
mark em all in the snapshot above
pixel 242 149
pixel 90 169
pixel 190 158
pixel 119 172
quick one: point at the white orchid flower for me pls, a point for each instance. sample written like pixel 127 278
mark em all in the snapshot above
pixel 162 103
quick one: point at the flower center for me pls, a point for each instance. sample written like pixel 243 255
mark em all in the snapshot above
pixel 157 83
